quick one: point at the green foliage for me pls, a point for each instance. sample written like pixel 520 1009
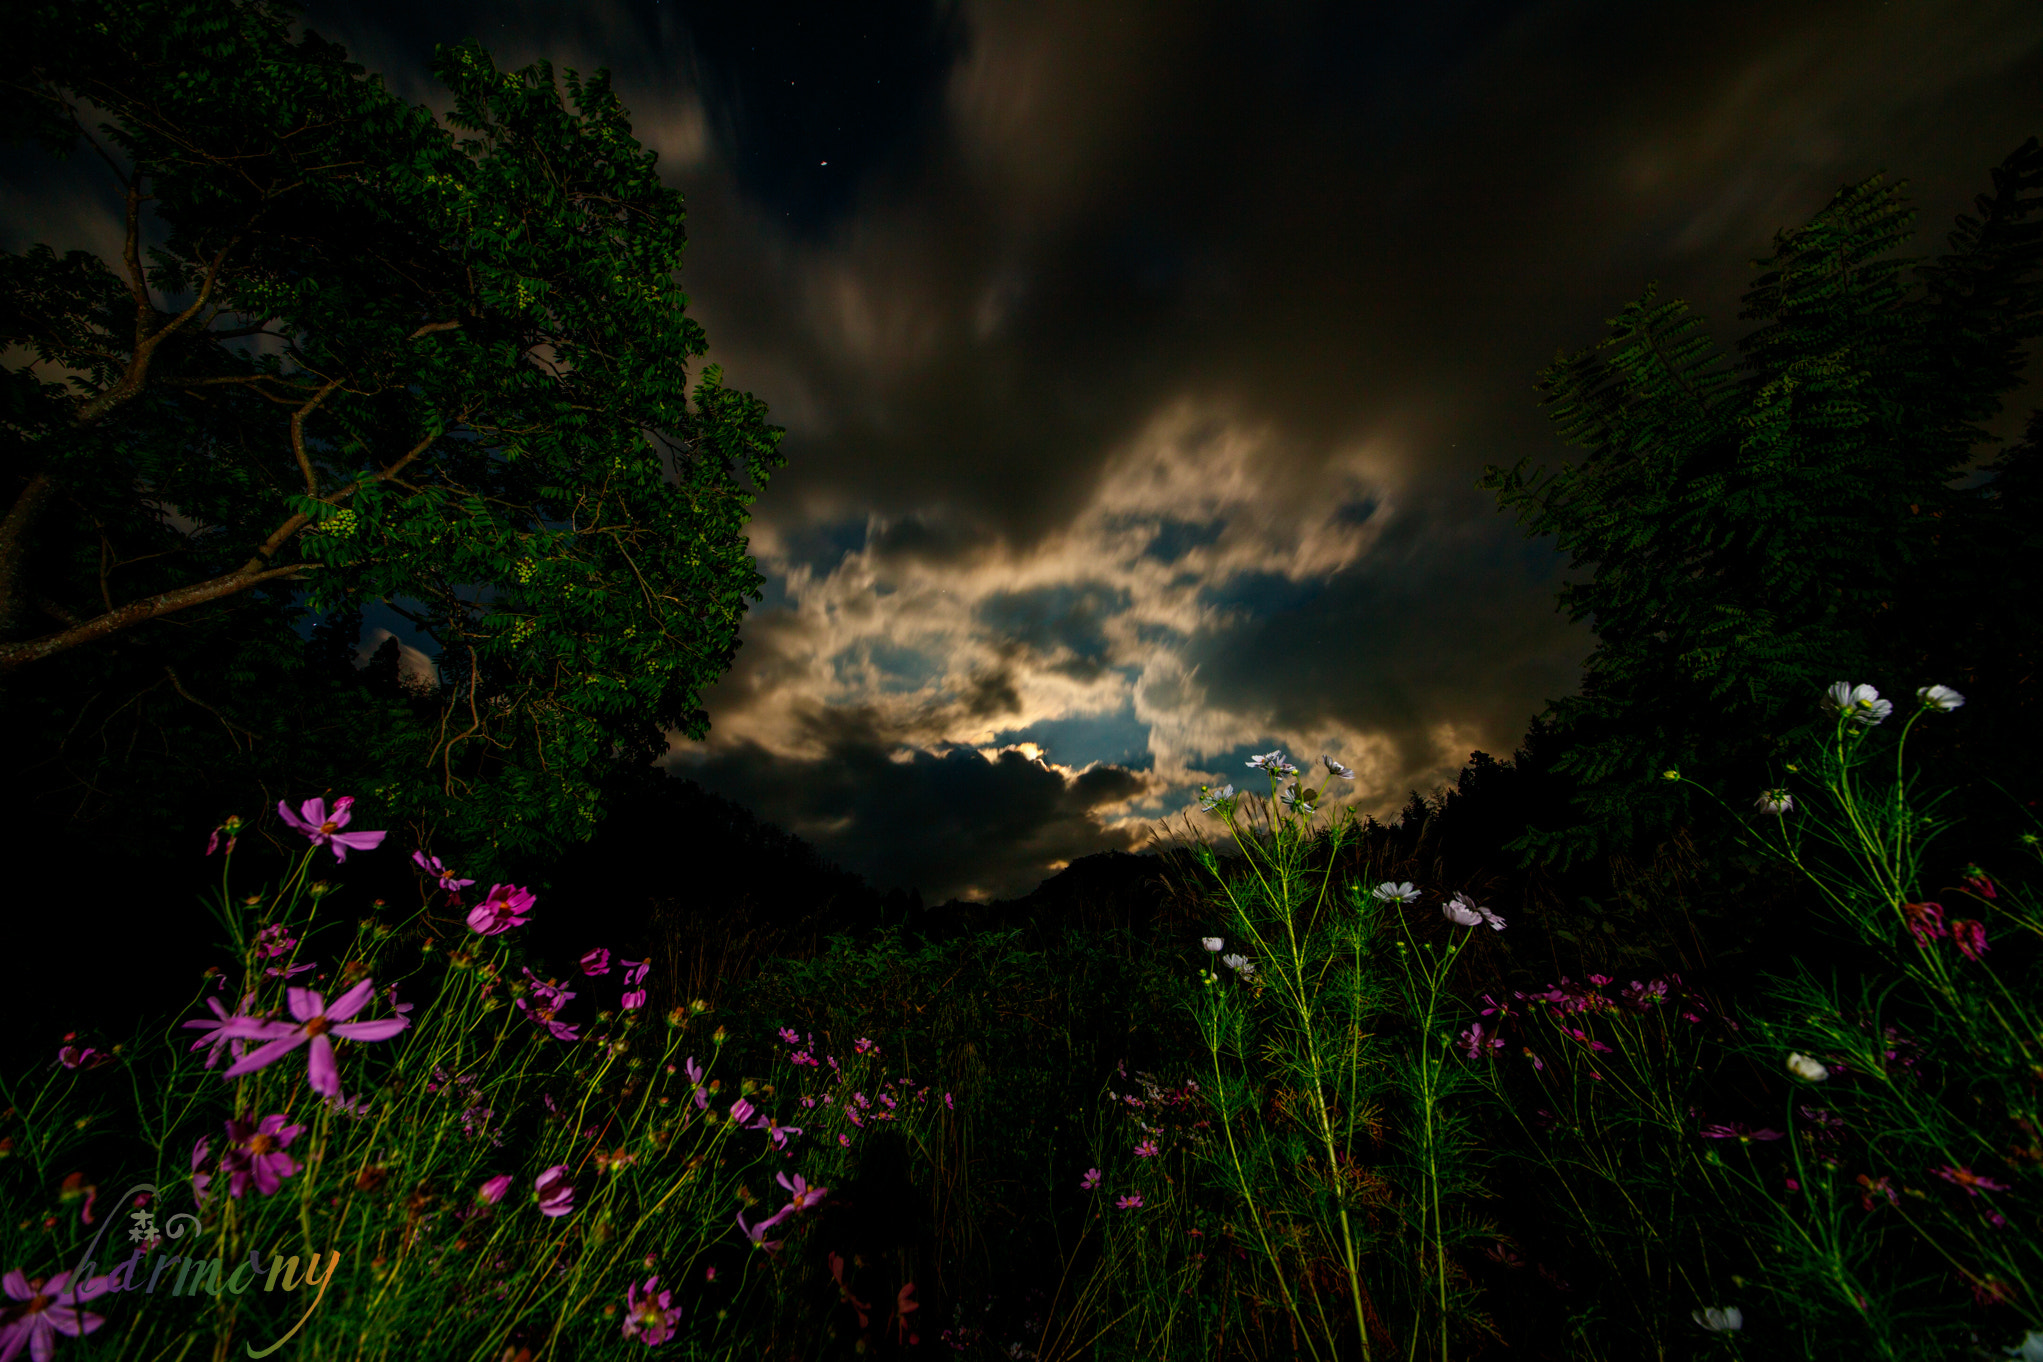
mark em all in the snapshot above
pixel 1752 531
pixel 447 373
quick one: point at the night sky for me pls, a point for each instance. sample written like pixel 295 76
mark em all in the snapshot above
pixel 1138 361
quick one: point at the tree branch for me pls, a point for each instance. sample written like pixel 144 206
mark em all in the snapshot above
pixel 13 655
pixel 298 435
pixel 146 341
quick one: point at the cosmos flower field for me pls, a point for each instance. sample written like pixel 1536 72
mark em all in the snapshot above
pixel 1314 1118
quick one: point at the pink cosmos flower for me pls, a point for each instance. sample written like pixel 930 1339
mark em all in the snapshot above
pixel 757 1233
pixel 596 961
pixel 741 1111
pixel 232 827
pixel 543 1008
pixel 1130 1202
pixel 504 907
pixel 844 1290
pixel 804 1195
pixel 493 1190
pixel 789 1036
pixel 1738 1131
pixel 556 1193
pixel 315 1021
pixel 1146 1150
pixel 635 972
pixel 1090 1180
pixel 274 940
pixel 1925 920
pixel 1978 883
pixel 651 1319
pixel 1970 936
pixel 255 1153
pixel 431 865
pixel 72 1056
pixel 42 1314
pixel 324 829
pixel 1475 1043
pixel 1969 1180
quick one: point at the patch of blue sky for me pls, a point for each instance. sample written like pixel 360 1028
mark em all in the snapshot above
pixel 1175 538
pixel 1261 593
pixel 1070 615
pixel 901 669
pixel 1152 634
pixel 1170 538
pixel 1357 512
pixel 823 546
pixel 1118 739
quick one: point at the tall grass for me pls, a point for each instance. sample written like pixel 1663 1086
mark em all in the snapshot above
pixel 1324 1110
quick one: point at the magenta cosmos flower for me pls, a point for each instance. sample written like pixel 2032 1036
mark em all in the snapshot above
pixel 324 828
pixel 757 1233
pixel 42 1314
pixel 596 961
pixel 493 1190
pixel 255 1153
pixel 635 972
pixel 556 1193
pixel 506 906
pixel 804 1195
pixel 650 1318
pixel 318 1023
pixel 543 1007
pixel 431 865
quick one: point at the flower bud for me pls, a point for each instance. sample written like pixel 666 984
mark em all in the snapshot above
pixel 1804 1066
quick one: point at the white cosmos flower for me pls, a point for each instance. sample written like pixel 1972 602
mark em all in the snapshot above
pixel 1775 801
pixel 1275 763
pixel 1335 768
pixel 2029 1349
pixel 1720 1321
pixel 1462 912
pixel 1804 1066
pixel 1211 943
pixel 1214 798
pixel 1388 892
pixel 1496 923
pixel 1862 704
pixel 1293 798
pixel 1940 697
pixel 1239 965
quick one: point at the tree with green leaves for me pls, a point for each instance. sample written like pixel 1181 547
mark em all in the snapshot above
pixel 351 356
pixel 1753 531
